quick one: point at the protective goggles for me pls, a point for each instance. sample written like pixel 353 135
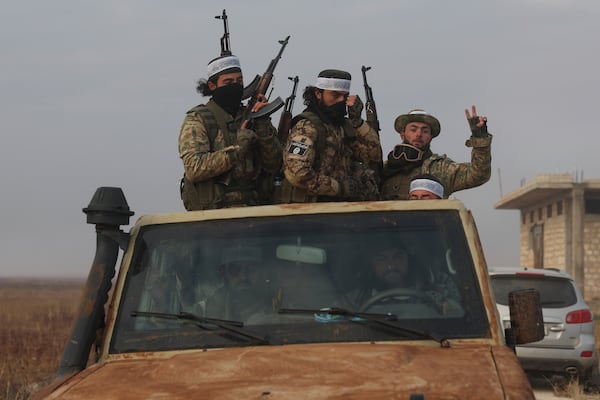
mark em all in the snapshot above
pixel 407 152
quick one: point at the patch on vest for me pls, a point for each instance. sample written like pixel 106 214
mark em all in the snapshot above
pixel 297 148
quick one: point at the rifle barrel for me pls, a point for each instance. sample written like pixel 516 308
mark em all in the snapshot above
pixel 289 102
pixel 371 110
pixel 225 45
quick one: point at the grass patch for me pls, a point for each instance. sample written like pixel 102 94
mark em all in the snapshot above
pixel 35 321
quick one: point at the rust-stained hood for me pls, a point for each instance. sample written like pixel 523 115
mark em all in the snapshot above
pixel 320 371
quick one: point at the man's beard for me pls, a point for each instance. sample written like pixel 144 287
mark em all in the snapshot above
pixel 334 114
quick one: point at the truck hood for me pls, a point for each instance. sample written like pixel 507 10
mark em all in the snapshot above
pixel 316 371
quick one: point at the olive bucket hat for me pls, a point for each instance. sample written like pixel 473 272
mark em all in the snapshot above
pixel 417 115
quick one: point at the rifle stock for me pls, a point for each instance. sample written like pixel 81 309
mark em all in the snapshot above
pixel 251 88
pixel 283 129
pixel 370 108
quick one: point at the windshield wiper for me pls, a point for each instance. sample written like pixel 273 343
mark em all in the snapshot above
pixel 358 317
pixel 228 325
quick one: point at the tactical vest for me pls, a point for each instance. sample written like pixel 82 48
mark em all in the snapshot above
pixel 396 187
pixel 214 193
pixel 292 194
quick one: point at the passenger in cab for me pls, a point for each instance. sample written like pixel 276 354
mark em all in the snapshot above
pixel 243 291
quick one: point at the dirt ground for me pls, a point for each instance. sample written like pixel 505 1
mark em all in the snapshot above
pixel 545 391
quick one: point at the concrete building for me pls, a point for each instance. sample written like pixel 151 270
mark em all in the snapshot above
pixel 560 227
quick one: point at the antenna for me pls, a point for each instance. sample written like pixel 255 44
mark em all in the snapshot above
pixel 500 182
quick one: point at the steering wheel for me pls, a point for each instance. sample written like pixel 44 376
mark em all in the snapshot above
pixel 397 292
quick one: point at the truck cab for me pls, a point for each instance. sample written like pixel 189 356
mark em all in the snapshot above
pixel 366 300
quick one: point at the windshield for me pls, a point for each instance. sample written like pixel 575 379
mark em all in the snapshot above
pixel 273 278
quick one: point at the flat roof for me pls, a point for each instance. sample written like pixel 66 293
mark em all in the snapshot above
pixel 542 188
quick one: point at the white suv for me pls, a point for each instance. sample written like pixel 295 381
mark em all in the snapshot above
pixel 568 347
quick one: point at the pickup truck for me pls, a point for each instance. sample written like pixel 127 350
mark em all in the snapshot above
pixel 292 302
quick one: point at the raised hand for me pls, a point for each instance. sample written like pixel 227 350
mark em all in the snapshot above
pixel 477 123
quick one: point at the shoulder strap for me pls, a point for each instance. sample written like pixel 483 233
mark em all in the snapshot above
pixel 220 117
pixel 210 122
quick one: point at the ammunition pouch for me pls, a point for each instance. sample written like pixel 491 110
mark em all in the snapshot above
pixel 287 193
pixel 210 194
pixel 266 187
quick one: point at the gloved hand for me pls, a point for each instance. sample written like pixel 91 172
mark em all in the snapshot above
pixel 350 189
pixel 369 189
pixel 245 140
pixel 262 127
pixel 478 131
pixel 355 112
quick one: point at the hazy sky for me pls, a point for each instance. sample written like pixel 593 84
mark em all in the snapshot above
pixel 93 94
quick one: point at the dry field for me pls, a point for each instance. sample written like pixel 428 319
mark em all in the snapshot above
pixel 35 321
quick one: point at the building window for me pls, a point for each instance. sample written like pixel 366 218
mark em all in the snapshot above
pixel 523 217
pixel 537 239
pixel 531 217
pixel 592 206
pixel 539 214
pixel 559 208
pixel 549 211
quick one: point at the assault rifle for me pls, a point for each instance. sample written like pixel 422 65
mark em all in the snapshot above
pixel 285 121
pixel 261 89
pixel 370 108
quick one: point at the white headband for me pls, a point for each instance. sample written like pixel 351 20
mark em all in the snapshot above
pixel 221 64
pixel 429 185
pixel 341 85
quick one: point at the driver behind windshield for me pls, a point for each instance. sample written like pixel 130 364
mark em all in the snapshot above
pixel 393 270
pixel 243 291
pixel 389 268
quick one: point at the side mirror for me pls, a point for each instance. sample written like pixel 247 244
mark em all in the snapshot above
pixel 526 318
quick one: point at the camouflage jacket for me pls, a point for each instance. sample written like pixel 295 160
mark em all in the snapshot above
pixel 321 174
pixel 207 149
pixel 453 176
pixel 202 161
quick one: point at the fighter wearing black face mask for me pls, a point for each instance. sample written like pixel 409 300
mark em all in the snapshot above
pixel 334 113
pixel 229 97
pixel 226 165
pixel 328 156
